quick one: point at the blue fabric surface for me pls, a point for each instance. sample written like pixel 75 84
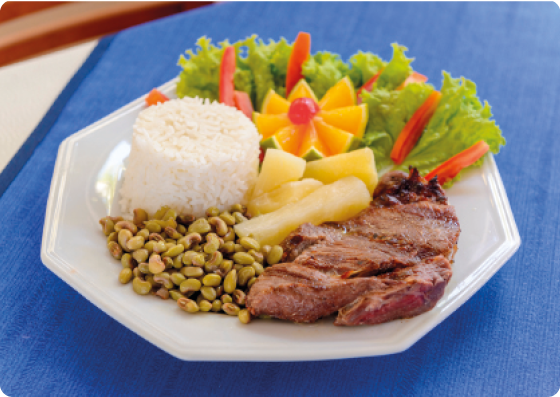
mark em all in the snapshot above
pixel 505 341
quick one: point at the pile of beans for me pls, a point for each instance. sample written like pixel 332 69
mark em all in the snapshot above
pixel 200 263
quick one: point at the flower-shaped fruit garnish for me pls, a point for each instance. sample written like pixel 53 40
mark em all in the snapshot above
pixel 309 128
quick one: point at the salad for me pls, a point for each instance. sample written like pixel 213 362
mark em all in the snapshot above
pixel 407 121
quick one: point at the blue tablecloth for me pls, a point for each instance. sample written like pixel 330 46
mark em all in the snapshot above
pixel 504 341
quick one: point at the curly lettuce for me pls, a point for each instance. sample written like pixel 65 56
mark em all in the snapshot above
pixel 396 71
pixel 259 67
pixel 364 65
pixel 268 63
pixel 201 70
pixel 459 121
pixel 389 108
pixel 389 111
pixel 279 65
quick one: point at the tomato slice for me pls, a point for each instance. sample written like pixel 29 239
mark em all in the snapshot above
pixel 155 97
pixel 300 53
pixel 414 128
pixel 243 103
pixel 413 78
pixel 227 70
pixel 450 168
pixel 368 86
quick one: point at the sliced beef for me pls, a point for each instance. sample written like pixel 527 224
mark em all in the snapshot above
pixel 305 236
pixel 417 291
pixel 422 228
pixel 433 229
pixel 297 293
pixel 353 256
pixel 376 266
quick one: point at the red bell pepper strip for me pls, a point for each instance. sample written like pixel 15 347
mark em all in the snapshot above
pixel 368 86
pixel 300 53
pixel 243 103
pixel 155 97
pixel 413 78
pixel 449 169
pixel 414 128
pixel 227 70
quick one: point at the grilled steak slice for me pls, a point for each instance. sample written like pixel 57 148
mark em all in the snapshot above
pixel 297 293
pixel 432 229
pixel 420 229
pixel 353 256
pixel 305 236
pixel 417 291
pixel 396 187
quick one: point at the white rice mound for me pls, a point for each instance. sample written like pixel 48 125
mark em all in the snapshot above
pixel 190 154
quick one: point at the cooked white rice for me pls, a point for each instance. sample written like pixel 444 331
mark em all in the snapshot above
pixel 190 154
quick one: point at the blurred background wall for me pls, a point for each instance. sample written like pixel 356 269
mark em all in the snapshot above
pixel 32 28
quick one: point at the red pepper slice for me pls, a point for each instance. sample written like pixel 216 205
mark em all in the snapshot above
pixel 413 78
pixel 368 86
pixel 449 169
pixel 300 53
pixel 155 97
pixel 414 128
pixel 227 70
pixel 243 103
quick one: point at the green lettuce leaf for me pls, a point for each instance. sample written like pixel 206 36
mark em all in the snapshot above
pixel 323 70
pixel 396 71
pixel 259 55
pixel 365 65
pixel 259 67
pixel 459 122
pixel 389 111
pixel 201 71
pixel 243 79
pixel 279 65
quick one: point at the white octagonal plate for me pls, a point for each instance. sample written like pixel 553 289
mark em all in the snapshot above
pixel 84 188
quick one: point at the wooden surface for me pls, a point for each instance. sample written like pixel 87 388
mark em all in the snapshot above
pixel 29 88
pixel 29 29
pixel 16 9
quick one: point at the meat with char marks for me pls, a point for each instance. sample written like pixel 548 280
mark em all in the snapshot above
pixel 390 261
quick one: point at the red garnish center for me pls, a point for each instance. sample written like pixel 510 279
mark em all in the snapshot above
pixel 302 110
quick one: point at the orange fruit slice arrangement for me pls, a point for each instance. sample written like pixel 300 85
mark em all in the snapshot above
pixel 309 128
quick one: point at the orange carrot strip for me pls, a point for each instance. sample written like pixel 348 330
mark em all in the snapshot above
pixel 155 97
pixel 414 128
pixel 227 70
pixel 450 168
pixel 300 53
